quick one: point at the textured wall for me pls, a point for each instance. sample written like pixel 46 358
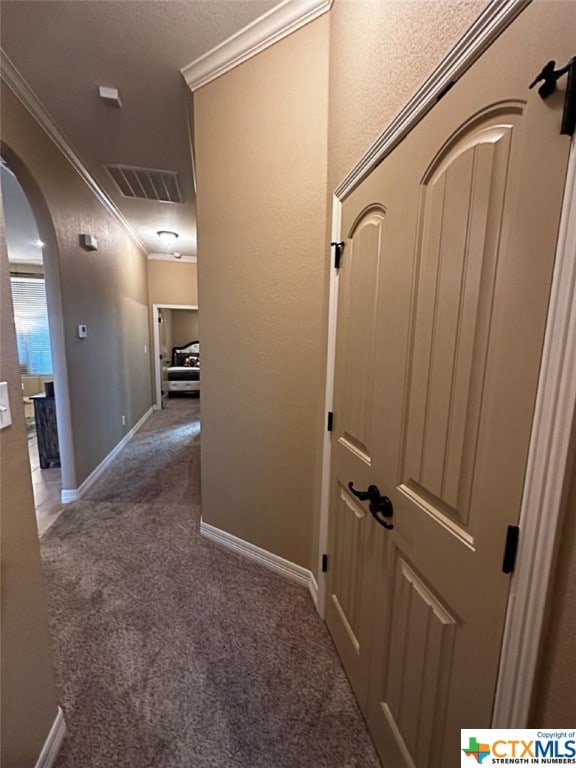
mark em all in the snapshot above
pixel 172 282
pixel 381 51
pixel 260 134
pixel 184 326
pixel 27 691
pixel 109 371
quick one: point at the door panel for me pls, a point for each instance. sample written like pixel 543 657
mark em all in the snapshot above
pixel 346 612
pixel 462 212
pixel 443 294
pixel 421 651
pixel 359 331
pixel 351 528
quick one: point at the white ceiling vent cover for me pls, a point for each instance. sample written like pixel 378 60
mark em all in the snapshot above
pixel 146 183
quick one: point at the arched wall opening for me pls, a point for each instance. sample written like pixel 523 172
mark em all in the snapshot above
pixel 55 313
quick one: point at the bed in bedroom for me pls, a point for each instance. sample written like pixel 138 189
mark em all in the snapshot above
pixel 184 373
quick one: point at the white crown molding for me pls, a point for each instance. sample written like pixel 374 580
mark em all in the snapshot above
pixel 260 34
pixel 498 15
pixel 170 257
pixel 14 80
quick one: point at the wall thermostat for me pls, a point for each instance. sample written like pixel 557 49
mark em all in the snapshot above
pixel 89 242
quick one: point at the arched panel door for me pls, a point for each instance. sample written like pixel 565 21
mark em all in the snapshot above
pixel 347 613
pixel 453 310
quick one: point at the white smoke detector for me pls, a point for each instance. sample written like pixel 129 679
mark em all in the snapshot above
pixel 110 96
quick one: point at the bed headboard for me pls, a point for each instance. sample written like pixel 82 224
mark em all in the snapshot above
pixel 181 354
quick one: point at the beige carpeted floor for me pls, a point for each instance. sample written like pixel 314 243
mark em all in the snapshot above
pixel 170 651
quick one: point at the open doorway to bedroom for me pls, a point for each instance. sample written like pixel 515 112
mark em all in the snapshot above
pixel 176 352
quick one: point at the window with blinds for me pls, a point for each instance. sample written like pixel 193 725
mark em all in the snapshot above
pixel 31 319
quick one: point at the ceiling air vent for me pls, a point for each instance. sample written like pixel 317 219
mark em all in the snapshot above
pixel 146 183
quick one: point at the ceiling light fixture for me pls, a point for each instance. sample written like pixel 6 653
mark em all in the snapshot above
pixel 177 255
pixel 168 238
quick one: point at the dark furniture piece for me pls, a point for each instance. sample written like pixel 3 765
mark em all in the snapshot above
pixel 46 430
pixel 184 373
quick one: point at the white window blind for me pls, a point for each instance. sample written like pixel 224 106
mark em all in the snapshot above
pixel 31 319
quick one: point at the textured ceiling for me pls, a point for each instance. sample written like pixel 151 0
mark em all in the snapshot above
pixel 65 49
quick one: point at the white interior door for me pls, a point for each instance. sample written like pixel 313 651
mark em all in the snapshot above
pixel 444 288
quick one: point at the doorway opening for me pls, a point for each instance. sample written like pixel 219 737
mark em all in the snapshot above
pixel 28 286
pixel 175 326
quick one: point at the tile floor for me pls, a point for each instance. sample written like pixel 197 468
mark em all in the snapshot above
pixel 47 484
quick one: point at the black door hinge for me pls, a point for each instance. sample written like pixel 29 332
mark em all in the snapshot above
pixel 548 77
pixel 510 548
pixel 338 248
pixel 324 563
pixel 330 423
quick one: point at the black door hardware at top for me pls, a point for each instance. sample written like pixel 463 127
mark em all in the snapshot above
pixel 510 548
pixel 380 506
pixel 338 248
pixel 549 76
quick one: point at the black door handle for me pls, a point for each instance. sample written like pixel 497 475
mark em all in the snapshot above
pixel 380 506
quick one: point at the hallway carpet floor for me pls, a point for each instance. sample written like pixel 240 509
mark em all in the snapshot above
pixel 172 652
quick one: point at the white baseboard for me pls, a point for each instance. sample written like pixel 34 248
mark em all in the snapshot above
pixel 274 562
pixel 53 742
pixel 69 495
pixel 74 494
pixel 313 589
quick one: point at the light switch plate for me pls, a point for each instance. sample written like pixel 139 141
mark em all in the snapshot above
pixel 82 331
pixel 5 413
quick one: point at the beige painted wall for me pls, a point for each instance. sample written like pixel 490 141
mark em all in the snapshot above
pixel 261 134
pixel 184 326
pixel 172 282
pixel 28 701
pixel 109 371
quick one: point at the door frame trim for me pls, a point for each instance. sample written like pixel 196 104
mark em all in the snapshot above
pixel 156 348
pixel 549 451
pixel 545 484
